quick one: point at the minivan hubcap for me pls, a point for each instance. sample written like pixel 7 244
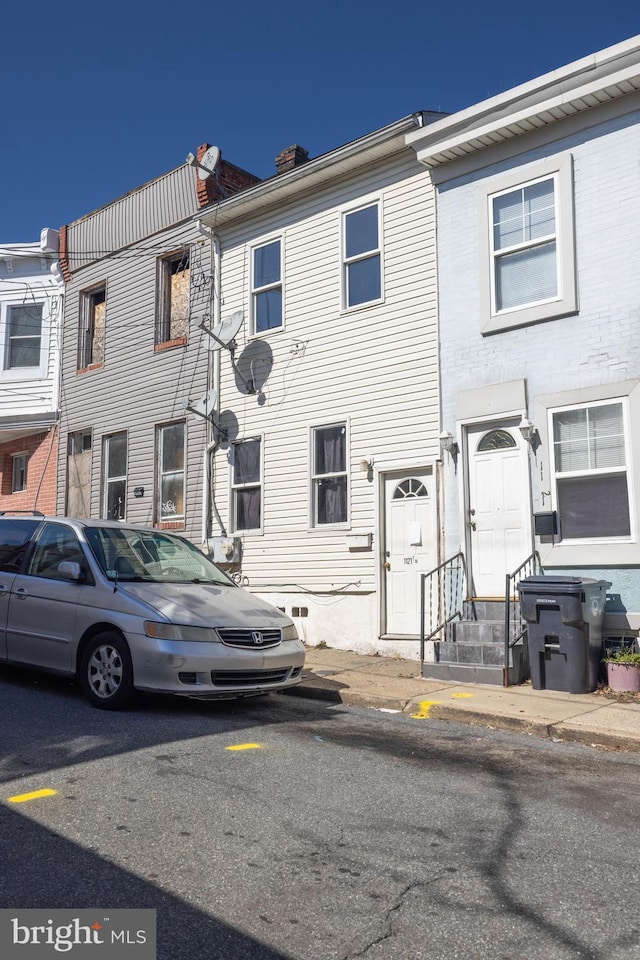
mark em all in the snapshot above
pixel 105 671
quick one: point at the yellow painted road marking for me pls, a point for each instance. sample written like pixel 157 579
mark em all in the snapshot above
pixel 461 696
pixel 245 746
pixel 425 707
pixel 23 797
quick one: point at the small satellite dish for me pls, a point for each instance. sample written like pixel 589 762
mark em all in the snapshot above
pixel 223 333
pixel 205 407
pixel 208 163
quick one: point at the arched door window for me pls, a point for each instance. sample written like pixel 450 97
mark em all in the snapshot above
pixel 410 488
pixel 496 440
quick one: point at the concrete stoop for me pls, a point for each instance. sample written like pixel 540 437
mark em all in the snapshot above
pixel 473 648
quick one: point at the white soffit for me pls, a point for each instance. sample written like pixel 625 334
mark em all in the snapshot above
pixel 569 91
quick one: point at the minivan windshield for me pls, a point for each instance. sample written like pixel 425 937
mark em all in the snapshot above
pixel 127 554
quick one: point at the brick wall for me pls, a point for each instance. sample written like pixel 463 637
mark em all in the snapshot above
pixel 227 180
pixel 40 494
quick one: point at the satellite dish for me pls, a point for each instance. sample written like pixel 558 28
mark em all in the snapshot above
pixel 208 163
pixel 225 331
pixel 205 407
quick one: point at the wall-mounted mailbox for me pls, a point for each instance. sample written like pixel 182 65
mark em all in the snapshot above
pixel 545 524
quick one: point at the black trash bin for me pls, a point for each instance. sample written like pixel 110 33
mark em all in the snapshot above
pixel 564 630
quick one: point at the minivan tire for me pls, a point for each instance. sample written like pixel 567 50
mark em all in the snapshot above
pixel 106 672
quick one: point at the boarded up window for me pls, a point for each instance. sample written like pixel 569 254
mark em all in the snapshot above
pixel 173 299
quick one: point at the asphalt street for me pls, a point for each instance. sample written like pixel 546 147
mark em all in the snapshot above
pixel 287 828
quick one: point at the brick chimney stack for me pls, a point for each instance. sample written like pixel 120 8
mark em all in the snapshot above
pixel 293 156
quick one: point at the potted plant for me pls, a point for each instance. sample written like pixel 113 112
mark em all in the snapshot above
pixel 623 670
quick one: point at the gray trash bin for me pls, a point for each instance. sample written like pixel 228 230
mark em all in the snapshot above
pixel 564 630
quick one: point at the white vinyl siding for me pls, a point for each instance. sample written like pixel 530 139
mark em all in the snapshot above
pixel 591 485
pixel 328 370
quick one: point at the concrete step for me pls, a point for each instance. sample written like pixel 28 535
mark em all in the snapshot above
pixel 480 631
pixel 468 673
pixel 483 609
pixel 487 659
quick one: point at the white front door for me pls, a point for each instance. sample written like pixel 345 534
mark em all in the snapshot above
pixel 410 546
pixel 499 507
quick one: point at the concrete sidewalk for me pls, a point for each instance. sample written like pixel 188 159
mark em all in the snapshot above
pixel 596 719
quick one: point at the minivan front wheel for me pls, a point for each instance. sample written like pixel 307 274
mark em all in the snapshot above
pixel 106 672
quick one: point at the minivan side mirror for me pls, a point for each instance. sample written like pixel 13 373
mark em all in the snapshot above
pixel 70 570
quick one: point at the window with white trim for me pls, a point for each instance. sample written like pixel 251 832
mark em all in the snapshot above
pixel 24 336
pixel 114 505
pixel 529 245
pixel 361 256
pixel 590 470
pixel 525 263
pixel 19 472
pixel 266 287
pixel 329 475
pixel 171 472
pixel 246 484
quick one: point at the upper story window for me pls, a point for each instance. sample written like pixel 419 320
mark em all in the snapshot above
pixel 525 262
pixel 172 312
pixel 362 260
pixel 171 472
pixel 24 336
pixel 590 465
pixel 91 331
pixel 246 484
pixel 266 287
pixel 530 246
pixel 329 474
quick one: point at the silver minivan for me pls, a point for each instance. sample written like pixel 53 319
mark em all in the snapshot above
pixel 126 608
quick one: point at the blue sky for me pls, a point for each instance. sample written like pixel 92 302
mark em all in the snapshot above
pixel 101 97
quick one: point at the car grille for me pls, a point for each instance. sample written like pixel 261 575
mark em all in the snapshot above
pixel 248 678
pixel 241 637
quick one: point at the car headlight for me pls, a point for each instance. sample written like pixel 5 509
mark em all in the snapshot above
pixel 177 631
pixel 290 632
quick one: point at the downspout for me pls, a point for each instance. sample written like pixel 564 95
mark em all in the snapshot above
pixel 208 500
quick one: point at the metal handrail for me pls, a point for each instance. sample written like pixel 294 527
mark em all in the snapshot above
pixel 448 578
pixel 527 568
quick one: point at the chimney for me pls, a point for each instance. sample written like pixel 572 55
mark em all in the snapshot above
pixel 293 156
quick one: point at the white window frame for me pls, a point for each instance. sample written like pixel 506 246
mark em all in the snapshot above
pixel 163 296
pixel 19 458
pixel 346 261
pixel 109 480
pixel 251 485
pixel 39 370
pixel 265 288
pixel 315 478
pixel 565 302
pixel 607 471
pixel 161 474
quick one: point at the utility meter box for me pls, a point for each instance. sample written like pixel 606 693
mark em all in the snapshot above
pixel 225 549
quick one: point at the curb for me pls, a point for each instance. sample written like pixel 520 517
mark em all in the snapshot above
pixel 443 712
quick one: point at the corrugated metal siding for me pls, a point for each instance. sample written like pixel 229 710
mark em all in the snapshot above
pixel 143 213
pixel 375 368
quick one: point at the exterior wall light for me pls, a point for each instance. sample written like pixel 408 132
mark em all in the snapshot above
pixel 448 444
pixel 527 430
pixel 366 464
